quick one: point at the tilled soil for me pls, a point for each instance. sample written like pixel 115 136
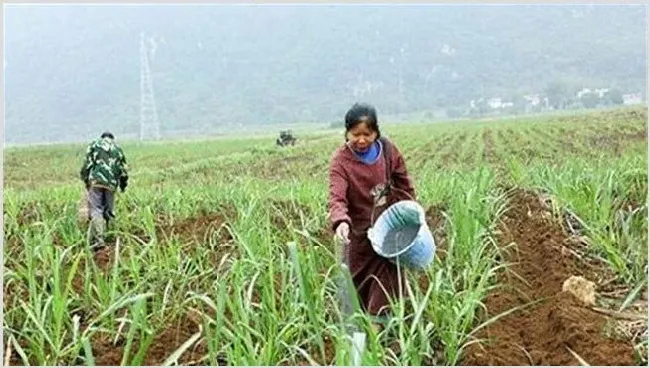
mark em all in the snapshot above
pixel 548 331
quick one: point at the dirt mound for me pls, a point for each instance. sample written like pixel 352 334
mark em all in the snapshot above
pixel 104 258
pixel 449 157
pixel 198 229
pixel 191 231
pixel 162 346
pixel 205 229
pixel 29 213
pixel 556 324
pixel 489 154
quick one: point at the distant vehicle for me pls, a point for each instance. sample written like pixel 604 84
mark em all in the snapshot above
pixel 286 138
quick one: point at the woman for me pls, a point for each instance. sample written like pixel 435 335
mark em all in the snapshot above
pixel 360 188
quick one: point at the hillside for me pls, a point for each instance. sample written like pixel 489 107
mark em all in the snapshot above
pixel 72 71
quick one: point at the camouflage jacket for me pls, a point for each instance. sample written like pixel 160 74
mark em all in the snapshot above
pixel 104 164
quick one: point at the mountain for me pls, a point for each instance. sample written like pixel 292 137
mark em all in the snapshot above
pixel 72 71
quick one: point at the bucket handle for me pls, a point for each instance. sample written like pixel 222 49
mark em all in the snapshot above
pixel 385 192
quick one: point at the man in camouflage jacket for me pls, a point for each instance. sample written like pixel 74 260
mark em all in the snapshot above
pixel 104 170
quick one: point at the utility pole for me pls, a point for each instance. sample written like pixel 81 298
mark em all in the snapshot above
pixel 149 123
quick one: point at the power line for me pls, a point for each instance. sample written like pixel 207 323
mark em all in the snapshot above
pixel 149 123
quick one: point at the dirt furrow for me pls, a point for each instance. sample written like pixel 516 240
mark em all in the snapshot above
pixel 556 324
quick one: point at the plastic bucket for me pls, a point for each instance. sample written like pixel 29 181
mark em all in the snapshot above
pixel 401 234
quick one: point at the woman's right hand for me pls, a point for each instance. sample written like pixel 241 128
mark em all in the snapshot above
pixel 343 233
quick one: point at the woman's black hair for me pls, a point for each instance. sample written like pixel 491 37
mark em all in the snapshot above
pixel 108 135
pixel 362 113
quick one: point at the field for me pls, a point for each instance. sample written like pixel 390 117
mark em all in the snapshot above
pixel 202 270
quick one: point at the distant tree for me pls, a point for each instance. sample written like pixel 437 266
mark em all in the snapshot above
pixel 590 100
pixel 337 124
pixel 454 112
pixel 518 104
pixel 614 96
pixel 557 94
pixel 482 106
pixel 428 116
